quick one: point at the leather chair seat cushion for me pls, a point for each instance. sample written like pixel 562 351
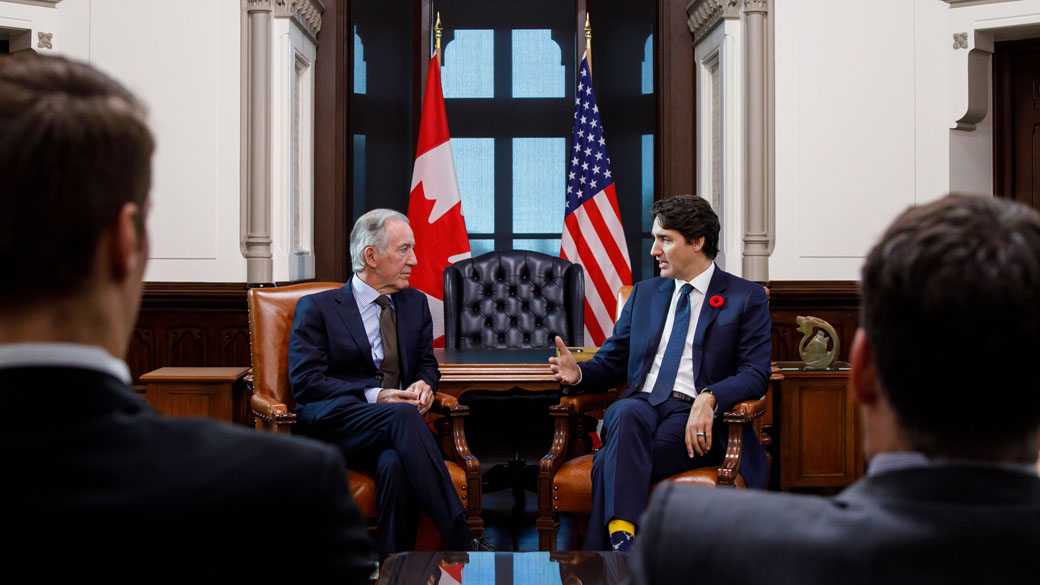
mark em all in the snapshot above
pixel 363 487
pixel 572 486
pixel 706 476
pixel 458 479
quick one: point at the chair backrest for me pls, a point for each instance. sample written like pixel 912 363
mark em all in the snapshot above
pixel 513 299
pixel 271 312
pixel 622 298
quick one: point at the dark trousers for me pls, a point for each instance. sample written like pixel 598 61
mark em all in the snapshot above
pixel 642 444
pixel 393 440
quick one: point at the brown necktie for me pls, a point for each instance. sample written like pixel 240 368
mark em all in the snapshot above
pixel 391 366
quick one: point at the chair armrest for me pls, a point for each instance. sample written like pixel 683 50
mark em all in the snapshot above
pixel 271 415
pixel 446 404
pixel 451 431
pixel 745 412
pixel 742 413
pixel 586 403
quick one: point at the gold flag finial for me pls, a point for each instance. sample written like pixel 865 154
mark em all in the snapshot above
pixel 588 41
pixel 437 28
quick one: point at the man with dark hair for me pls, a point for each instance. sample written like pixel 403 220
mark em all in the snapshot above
pixel 950 321
pixel 690 344
pixel 96 483
pixel 363 373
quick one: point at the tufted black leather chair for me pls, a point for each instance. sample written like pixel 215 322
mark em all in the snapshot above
pixel 513 299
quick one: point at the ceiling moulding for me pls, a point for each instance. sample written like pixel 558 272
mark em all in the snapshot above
pixel 973 2
pixel 705 15
pixel 305 13
pixel 48 3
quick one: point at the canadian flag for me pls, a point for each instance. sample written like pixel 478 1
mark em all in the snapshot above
pixel 434 207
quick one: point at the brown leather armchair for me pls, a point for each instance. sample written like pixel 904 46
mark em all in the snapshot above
pixel 565 473
pixel 271 313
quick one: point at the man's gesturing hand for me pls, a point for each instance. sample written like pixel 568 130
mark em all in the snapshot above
pixel 564 368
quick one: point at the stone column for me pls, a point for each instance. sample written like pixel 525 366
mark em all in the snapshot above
pixel 758 203
pixel 256 187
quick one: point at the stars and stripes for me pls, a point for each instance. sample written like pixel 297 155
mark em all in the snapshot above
pixel 592 232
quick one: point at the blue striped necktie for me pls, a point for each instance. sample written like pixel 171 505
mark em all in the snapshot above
pixel 674 350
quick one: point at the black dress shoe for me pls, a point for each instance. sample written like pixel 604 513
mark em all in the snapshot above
pixel 480 544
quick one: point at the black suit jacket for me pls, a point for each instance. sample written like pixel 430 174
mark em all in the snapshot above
pixel 96 483
pixel 956 524
pixel 330 357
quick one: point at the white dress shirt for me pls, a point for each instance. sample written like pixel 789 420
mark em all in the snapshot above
pixel 58 355
pixel 684 378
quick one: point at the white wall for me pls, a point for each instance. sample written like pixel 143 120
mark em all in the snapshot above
pixel 183 60
pixel 867 99
pixel 845 131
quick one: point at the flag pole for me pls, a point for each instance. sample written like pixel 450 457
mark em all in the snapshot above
pixel 437 28
pixel 588 42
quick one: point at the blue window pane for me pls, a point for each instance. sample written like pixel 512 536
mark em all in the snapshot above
pixel 537 68
pixel 539 183
pixel 478 247
pixel 648 65
pixel 475 168
pixel 469 65
pixel 550 247
pixel 647 160
pixel 359 64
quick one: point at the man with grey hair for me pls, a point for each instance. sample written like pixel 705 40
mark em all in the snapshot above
pixel 363 373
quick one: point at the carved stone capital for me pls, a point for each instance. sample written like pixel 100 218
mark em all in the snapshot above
pixel 305 13
pixel 752 6
pixel 259 5
pixel 705 15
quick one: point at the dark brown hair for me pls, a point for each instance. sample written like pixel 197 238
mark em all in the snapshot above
pixel 951 307
pixel 691 216
pixel 74 148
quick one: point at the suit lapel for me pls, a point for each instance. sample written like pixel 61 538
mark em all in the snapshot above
pixel 660 303
pixel 707 316
pixel 346 308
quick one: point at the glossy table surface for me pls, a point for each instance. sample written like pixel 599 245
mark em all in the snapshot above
pixel 505 568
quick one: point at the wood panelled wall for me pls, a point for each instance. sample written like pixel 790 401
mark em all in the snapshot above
pixel 206 324
pixel 189 324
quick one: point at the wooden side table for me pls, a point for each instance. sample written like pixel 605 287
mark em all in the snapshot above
pixel 218 393
pixel 820 442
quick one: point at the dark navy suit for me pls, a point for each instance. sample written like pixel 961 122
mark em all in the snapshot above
pixel 731 352
pixel 330 366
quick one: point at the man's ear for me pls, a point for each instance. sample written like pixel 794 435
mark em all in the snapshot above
pixel 865 385
pixel 126 247
pixel 698 244
pixel 371 256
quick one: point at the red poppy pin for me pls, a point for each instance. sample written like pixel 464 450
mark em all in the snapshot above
pixel 716 301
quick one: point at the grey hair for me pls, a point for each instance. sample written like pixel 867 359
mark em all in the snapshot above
pixel 368 231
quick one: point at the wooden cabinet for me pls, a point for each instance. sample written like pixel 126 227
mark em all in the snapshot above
pixel 818 427
pixel 218 393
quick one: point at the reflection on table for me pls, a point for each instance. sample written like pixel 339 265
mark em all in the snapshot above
pixel 505 568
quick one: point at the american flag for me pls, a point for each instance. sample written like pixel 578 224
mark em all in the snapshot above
pixel 592 232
